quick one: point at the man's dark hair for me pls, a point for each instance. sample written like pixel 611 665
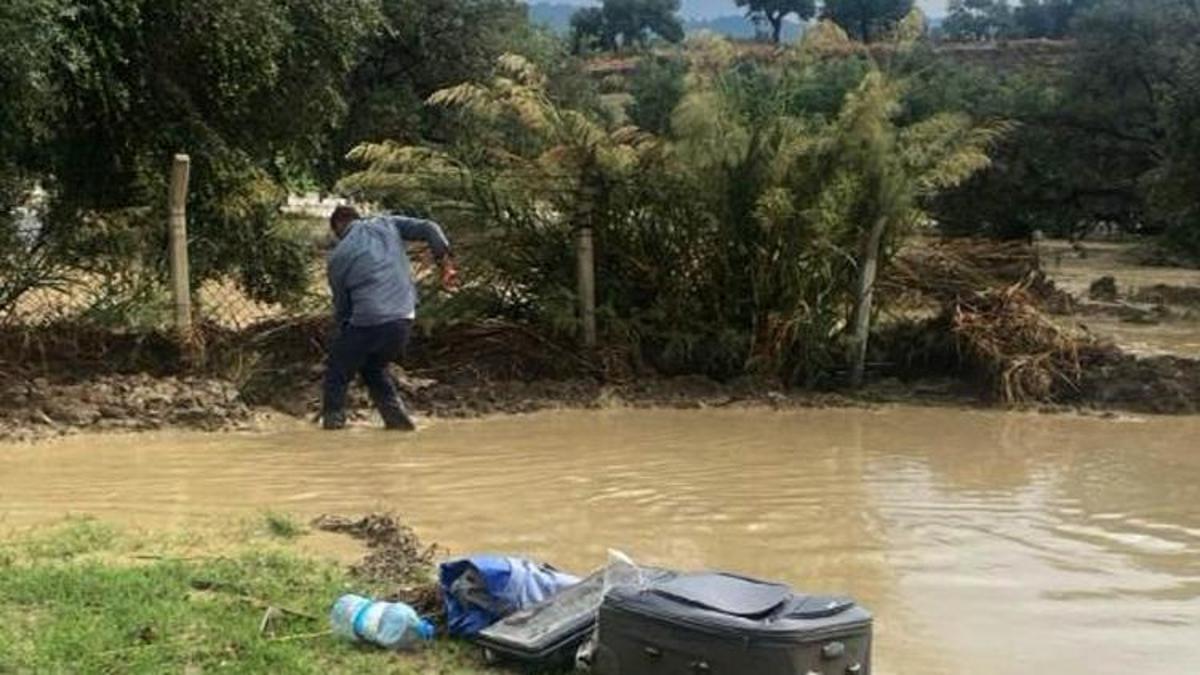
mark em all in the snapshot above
pixel 342 217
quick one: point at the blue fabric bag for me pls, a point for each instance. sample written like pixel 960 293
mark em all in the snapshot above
pixel 480 590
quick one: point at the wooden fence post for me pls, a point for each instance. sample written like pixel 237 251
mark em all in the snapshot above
pixel 585 256
pixel 861 323
pixel 177 233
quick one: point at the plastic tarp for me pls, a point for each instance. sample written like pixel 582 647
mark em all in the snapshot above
pixel 480 590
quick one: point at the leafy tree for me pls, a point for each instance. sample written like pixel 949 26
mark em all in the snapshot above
pixel 589 31
pixel 622 23
pixel 1134 86
pixel 1048 18
pixel 104 92
pixel 977 20
pixel 142 79
pixel 425 45
pixel 1107 137
pixel 1044 176
pixel 814 201
pixel 27 108
pixel 775 11
pixel 657 87
pixel 867 20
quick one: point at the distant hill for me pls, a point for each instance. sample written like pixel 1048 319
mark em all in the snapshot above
pixel 557 17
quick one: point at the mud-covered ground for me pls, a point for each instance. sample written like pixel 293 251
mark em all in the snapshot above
pixel 65 379
pixel 41 407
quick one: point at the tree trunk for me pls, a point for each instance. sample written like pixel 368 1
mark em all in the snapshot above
pixel 776 27
pixel 862 303
pixel 586 281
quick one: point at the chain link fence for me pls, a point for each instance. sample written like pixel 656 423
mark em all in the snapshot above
pixel 125 296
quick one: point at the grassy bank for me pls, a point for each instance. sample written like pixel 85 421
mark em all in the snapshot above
pixel 84 596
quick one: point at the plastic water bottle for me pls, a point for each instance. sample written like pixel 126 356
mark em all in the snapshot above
pixel 391 625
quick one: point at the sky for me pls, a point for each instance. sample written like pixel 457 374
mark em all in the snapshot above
pixel 933 7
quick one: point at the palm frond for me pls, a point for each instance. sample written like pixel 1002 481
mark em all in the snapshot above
pixel 521 69
pixel 709 132
pixel 468 96
pixel 945 150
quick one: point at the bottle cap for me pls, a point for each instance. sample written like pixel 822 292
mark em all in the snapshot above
pixel 425 630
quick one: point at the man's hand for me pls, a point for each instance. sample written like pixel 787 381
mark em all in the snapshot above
pixel 449 274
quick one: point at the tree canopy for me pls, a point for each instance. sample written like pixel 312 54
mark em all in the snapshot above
pixel 104 92
pixel 867 20
pixel 97 95
pixel 773 12
pixel 1048 18
pixel 975 20
pixel 625 23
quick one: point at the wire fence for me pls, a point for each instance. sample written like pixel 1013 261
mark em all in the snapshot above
pixel 125 296
pixel 220 303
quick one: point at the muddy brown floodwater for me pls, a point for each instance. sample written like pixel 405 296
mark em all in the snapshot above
pixel 1075 274
pixel 987 543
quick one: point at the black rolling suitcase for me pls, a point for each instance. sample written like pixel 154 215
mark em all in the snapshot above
pixel 720 624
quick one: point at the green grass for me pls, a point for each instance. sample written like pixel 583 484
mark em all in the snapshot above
pixel 87 597
pixel 282 525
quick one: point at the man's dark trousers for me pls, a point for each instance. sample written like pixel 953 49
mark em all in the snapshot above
pixel 367 350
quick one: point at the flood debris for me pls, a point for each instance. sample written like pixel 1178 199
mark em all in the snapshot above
pixel 1103 289
pixel 947 269
pixel 395 557
pixel 394 552
pixel 1164 294
pixel 1022 354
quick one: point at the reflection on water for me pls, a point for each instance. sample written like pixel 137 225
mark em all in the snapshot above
pixel 987 543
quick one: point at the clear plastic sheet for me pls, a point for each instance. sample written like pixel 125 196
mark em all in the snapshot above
pixel 621 571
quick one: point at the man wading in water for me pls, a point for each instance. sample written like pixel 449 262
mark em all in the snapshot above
pixel 374 302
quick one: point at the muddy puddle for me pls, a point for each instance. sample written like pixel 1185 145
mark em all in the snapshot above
pixel 1180 338
pixel 1075 273
pixel 1176 334
pixel 987 543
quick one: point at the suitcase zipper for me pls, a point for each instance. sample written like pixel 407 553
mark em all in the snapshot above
pixel 843 630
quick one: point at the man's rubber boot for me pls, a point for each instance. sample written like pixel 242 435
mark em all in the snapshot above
pixel 332 421
pixel 395 417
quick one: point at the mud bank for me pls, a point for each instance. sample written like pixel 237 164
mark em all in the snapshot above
pixel 41 407
pixel 44 408
pixel 1158 385
pixel 65 379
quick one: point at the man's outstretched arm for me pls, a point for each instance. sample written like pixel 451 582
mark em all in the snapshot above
pixel 419 229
